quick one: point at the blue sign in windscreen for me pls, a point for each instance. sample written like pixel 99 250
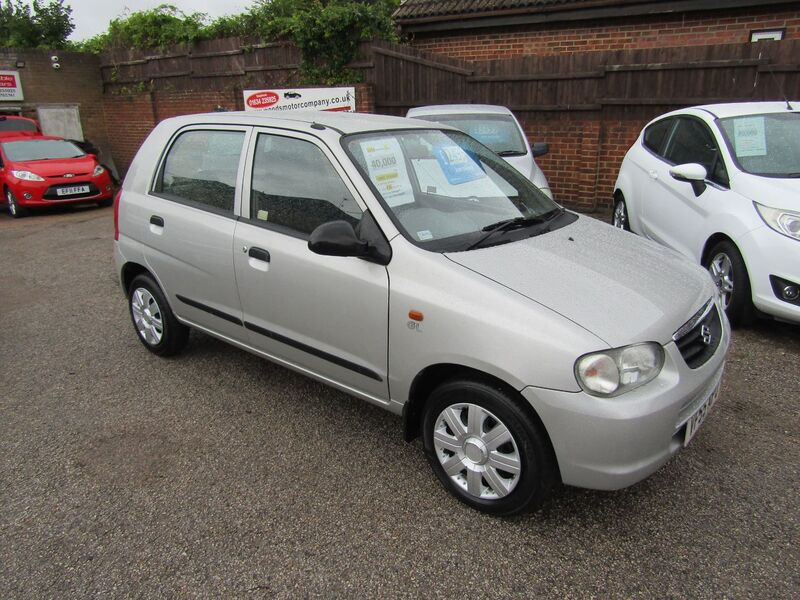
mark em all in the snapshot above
pixel 457 164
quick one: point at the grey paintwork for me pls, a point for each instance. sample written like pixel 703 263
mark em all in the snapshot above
pixel 522 312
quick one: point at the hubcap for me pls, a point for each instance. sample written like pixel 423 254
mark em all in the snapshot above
pixel 721 271
pixel 147 316
pixel 619 216
pixel 477 451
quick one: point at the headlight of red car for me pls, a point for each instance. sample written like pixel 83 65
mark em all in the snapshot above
pixel 27 176
pixel 98 170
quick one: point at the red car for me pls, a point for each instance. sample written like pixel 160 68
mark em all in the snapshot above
pixel 42 171
pixel 13 126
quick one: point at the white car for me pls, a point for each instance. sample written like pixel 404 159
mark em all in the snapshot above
pixel 721 184
pixel 495 127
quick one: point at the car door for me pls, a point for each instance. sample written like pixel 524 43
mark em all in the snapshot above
pixel 187 222
pixel 325 315
pixel 674 214
pixel 643 170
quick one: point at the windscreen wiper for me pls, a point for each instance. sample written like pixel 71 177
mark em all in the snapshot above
pixel 510 153
pixel 515 223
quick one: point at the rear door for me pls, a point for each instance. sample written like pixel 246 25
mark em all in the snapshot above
pixel 187 223
pixel 325 315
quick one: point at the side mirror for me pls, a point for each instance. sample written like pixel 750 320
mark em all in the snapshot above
pixel 692 173
pixel 540 149
pixel 337 238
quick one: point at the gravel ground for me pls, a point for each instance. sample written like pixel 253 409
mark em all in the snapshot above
pixel 219 474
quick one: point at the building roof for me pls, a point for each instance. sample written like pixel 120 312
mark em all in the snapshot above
pixel 430 15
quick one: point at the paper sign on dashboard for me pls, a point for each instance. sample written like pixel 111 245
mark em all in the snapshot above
pixel 387 170
pixel 749 138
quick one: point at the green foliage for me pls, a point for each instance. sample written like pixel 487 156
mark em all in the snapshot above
pixel 47 25
pixel 160 26
pixel 327 32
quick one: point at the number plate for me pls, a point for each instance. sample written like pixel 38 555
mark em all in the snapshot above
pixel 72 190
pixel 696 420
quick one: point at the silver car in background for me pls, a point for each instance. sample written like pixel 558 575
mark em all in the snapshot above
pixel 410 266
pixel 495 127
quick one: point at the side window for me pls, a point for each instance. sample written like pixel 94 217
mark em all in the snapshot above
pixel 692 142
pixel 655 135
pixel 201 168
pixel 295 186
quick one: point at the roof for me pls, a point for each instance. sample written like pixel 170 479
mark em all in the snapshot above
pixel 429 15
pixel 735 109
pixel 343 122
pixel 458 109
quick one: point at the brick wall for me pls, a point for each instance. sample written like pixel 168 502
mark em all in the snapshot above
pixel 78 81
pixel 662 31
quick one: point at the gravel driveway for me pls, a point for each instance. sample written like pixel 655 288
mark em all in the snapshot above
pixel 218 474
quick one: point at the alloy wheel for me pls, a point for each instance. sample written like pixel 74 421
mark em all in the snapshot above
pixel 147 316
pixel 620 218
pixel 477 451
pixel 12 204
pixel 721 270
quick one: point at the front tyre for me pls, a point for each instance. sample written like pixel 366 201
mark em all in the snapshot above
pixel 153 319
pixel 14 209
pixel 619 217
pixel 486 449
pixel 727 268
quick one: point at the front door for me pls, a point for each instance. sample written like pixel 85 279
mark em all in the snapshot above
pixel 324 315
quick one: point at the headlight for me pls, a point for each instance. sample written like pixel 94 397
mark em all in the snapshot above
pixel 98 170
pixel 27 176
pixel 786 222
pixel 619 370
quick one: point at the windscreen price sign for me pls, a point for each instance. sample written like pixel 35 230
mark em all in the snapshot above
pixel 338 99
pixel 10 86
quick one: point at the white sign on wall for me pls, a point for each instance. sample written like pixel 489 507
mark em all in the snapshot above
pixel 339 99
pixel 10 86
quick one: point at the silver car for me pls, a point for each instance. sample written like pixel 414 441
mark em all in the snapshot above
pixel 407 264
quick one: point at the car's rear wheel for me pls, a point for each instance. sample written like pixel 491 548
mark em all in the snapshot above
pixel 486 449
pixel 729 273
pixel 619 218
pixel 155 323
pixel 14 209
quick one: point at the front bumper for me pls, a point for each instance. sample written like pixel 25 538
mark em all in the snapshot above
pixel 766 253
pixel 42 192
pixel 612 443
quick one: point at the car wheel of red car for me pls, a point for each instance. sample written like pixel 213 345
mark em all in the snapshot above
pixel 14 209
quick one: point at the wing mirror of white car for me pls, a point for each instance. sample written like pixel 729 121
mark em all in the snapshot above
pixel 540 149
pixel 338 238
pixel 692 173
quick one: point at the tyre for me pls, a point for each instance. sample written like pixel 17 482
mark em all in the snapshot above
pixel 486 449
pixel 729 273
pixel 153 319
pixel 619 218
pixel 14 209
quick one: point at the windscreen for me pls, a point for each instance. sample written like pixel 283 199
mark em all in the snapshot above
pixel 17 125
pixel 444 189
pixel 767 144
pixel 498 132
pixel 25 150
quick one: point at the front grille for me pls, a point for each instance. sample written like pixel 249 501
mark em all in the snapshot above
pixel 51 193
pixel 699 337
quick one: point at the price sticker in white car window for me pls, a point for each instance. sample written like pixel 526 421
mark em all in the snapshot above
pixel 749 137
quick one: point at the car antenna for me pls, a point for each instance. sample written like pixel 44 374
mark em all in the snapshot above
pixel 777 83
pixel 316 125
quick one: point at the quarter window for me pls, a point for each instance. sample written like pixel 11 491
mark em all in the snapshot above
pixel 655 135
pixel 201 169
pixel 296 187
pixel 692 142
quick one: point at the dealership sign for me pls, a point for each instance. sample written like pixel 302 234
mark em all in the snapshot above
pixel 339 99
pixel 10 86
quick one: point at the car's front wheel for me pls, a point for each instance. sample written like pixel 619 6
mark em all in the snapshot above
pixel 14 209
pixel 486 449
pixel 619 217
pixel 727 268
pixel 155 323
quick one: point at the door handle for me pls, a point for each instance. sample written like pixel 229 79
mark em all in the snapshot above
pixel 653 174
pixel 258 254
pixel 157 221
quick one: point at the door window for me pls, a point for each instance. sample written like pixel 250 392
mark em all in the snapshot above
pixel 692 142
pixel 201 169
pixel 296 188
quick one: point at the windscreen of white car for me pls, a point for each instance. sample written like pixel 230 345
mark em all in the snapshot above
pixel 25 150
pixel 447 192
pixel 498 132
pixel 765 144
